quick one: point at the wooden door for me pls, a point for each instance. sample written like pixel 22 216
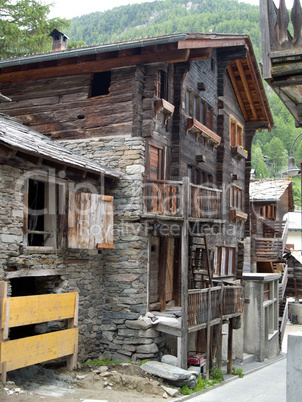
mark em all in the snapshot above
pixel 162 267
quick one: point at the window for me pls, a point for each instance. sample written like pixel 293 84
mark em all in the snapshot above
pixel 161 85
pixel 224 261
pixel 236 197
pixel 90 217
pixel 100 84
pixel 42 213
pixel 268 211
pixel 236 132
pixel 194 174
pixel 188 102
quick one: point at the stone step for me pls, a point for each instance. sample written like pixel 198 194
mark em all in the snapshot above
pixel 248 358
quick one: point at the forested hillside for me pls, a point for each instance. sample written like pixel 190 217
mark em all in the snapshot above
pixel 270 150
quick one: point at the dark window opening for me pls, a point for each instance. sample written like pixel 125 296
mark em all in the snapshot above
pixel 161 85
pixel 36 205
pixel 41 215
pixel 100 84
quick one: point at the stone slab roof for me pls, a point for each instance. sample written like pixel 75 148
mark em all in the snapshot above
pixel 14 135
pixel 268 190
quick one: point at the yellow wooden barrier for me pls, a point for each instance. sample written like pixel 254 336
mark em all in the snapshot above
pixel 36 349
pixel 28 310
pixel 19 311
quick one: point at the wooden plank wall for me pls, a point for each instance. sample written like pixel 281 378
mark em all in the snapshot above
pixel 60 107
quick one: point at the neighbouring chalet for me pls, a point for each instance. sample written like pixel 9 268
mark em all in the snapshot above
pixel 270 201
pixel 265 286
pixel 175 116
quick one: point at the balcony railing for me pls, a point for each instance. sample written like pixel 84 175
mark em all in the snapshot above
pixel 224 301
pixel 232 300
pixel 165 198
pixel 271 245
pixel 205 202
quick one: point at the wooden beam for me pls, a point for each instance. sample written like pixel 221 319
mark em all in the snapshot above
pixel 183 341
pixel 211 43
pixel 171 56
pixel 260 93
pixel 237 92
pixel 230 347
pixel 246 88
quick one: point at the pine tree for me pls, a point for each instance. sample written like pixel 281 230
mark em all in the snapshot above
pixel 25 27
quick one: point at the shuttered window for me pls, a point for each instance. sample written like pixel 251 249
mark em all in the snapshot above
pixel 236 132
pixel 90 221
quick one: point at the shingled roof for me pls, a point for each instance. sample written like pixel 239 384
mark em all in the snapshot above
pixel 269 190
pixel 14 135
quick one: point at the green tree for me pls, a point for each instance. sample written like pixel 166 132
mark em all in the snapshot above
pixel 258 163
pixel 277 156
pixel 25 27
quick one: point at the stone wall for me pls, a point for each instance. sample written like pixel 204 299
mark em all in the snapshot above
pixel 124 269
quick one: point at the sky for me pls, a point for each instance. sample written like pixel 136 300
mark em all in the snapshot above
pixel 74 8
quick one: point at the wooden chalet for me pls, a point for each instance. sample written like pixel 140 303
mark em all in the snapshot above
pixel 270 201
pixel 175 116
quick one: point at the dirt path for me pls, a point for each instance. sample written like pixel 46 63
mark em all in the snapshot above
pixel 116 383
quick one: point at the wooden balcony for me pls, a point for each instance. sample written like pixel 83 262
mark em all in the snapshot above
pixel 209 306
pixel 202 131
pixel 165 199
pixel 271 246
pixel 205 202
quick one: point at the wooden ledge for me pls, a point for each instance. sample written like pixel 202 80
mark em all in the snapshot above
pixel 161 105
pixel 239 151
pixel 100 246
pixel 237 214
pixel 201 130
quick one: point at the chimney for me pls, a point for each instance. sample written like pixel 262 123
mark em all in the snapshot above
pixel 59 40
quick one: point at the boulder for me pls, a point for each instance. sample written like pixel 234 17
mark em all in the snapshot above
pixel 166 371
pixel 169 359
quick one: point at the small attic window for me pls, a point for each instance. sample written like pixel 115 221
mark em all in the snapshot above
pixel 100 84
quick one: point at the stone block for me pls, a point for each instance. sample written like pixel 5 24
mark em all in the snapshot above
pixel 151 348
pixel 170 359
pixel 137 324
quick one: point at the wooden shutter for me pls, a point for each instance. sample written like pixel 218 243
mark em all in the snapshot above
pixel 90 221
pixel 156 162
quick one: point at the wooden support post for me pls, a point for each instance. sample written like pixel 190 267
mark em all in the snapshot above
pixel 209 334
pixel 3 328
pixel 73 322
pixel 230 347
pixel 219 340
pixel 3 294
pixel 183 341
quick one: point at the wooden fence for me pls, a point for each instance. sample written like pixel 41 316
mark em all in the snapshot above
pixel 28 310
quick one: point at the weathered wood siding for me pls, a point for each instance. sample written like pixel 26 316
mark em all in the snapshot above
pixel 61 107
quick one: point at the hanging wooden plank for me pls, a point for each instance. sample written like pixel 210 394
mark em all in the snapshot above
pixel 90 221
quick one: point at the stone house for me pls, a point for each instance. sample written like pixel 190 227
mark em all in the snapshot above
pixel 175 117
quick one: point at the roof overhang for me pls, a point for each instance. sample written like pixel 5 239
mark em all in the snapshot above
pixel 236 50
